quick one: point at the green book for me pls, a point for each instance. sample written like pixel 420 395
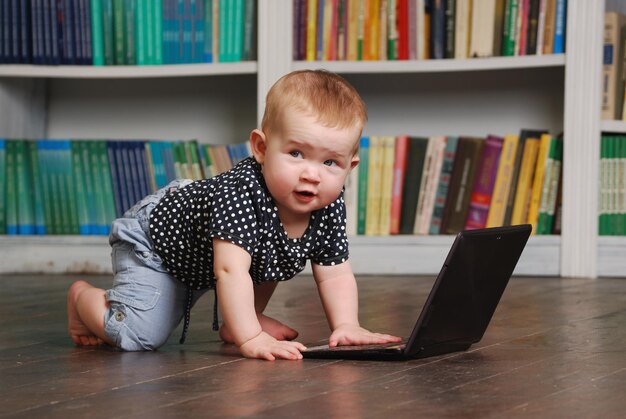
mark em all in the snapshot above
pixel 70 189
pixel 107 185
pixel 36 189
pixel 545 187
pixel 149 30
pixel 237 30
pixel 59 214
pixel 130 31
pixel 223 28
pixel 108 32
pixel 555 178
pixel 101 223
pixel 509 31
pixel 97 33
pixel 208 31
pixel 11 188
pixel 25 213
pixel 140 32
pixel 79 184
pixel 249 30
pixel 43 155
pixel 3 179
pixel 362 188
pixel 158 32
pixel 119 42
pixel 194 162
pixel 88 184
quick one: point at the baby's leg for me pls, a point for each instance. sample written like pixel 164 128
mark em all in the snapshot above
pixel 274 328
pixel 86 306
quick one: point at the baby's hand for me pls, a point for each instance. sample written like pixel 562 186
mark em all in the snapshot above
pixel 355 335
pixel 264 346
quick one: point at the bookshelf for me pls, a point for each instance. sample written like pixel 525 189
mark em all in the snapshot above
pixel 443 97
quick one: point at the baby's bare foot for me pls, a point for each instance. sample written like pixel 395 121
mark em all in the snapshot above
pixel 78 331
pixel 269 325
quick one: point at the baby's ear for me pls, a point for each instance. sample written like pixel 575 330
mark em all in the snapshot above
pixel 258 145
pixel 355 161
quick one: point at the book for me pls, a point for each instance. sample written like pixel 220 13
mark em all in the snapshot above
pixel 3 176
pixel 462 26
pixel 509 30
pixel 537 184
pixel 502 187
pixel 410 192
pixel 442 185
pixel 548 205
pixel 482 191
pixel 25 213
pixel 35 188
pixel 560 20
pixel 11 188
pixel 548 27
pixel 374 186
pixel 523 136
pixel 351 197
pixel 422 223
pixel 614 24
pixel 388 153
pixel 363 168
pixel 524 182
pixel 482 32
pixel 399 171
pixel 466 162
pixel 424 181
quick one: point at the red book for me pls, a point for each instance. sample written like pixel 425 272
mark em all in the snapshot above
pixel 399 169
pixel 402 16
pixel 484 183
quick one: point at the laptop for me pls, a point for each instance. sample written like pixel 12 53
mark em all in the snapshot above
pixel 461 301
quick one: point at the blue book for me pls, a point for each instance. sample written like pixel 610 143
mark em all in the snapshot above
pixel 158 166
pixel 87 35
pixel 168 159
pixel 559 27
pixel 15 30
pixel 139 148
pixel 25 33
pixel 80 190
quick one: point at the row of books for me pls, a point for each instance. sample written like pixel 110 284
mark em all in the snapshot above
pixel 127 32
pixel 426 29
pixel 612 198
pixel 442 185
pixel 614 56
pixel 80 186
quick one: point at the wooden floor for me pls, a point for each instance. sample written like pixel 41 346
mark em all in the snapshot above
pixel 555 348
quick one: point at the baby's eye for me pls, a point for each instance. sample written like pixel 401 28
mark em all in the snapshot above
pixel 295 154
pixel 330 163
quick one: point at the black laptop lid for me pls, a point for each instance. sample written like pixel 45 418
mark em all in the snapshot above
pixel 468 288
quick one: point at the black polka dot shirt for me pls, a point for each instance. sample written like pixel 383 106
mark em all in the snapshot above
pixel 237 207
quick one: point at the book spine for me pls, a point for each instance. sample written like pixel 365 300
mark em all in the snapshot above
pixel 97 33
pixel 11 188
pixel 36 188
pixel 502 187
pixel 537 184
pixel 25 215
pixel 3 177
pixel 509 34
pixel 545 187
pixel 559 27
pixel 387 185
pixel 443 184
pixel 130 31
pixel 431 186
pixel 364 149
pixel 79 183
pixel 524 181
pixel 107 185
pixel 141 47
pixel 108 32
pixel 157 19
pixel 399 169
pixel 555 178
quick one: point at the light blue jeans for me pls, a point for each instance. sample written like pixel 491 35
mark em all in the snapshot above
pixel 146 303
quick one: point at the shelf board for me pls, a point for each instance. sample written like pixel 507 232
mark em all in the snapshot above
pixel 611 261
pixel 613 126
pixel 426 66
pixel 127 71
pixel 391 255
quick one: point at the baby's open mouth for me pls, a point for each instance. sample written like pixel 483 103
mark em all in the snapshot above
pixel 305 193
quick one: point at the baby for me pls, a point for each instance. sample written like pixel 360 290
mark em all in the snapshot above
pixel 241 233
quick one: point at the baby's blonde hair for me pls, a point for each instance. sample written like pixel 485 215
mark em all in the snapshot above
pixel 325 95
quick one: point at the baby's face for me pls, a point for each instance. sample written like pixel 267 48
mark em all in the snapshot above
pixel 306 164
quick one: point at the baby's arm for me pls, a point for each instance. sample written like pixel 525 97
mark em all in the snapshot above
pixel 236 299
pixel 338 291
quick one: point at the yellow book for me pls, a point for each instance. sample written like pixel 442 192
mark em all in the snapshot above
pixel 524 181
pixel 374 28
pixel 353 29
pixel 311 26
pixel 537 188
pixel 326 34
pixel 374 183
pixel 502 187
pixel 388 146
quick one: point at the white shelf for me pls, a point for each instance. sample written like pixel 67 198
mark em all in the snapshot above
pixel 391 255
pixel 613 126
pixel 126 72
pixel 612 256
pixel 426 66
